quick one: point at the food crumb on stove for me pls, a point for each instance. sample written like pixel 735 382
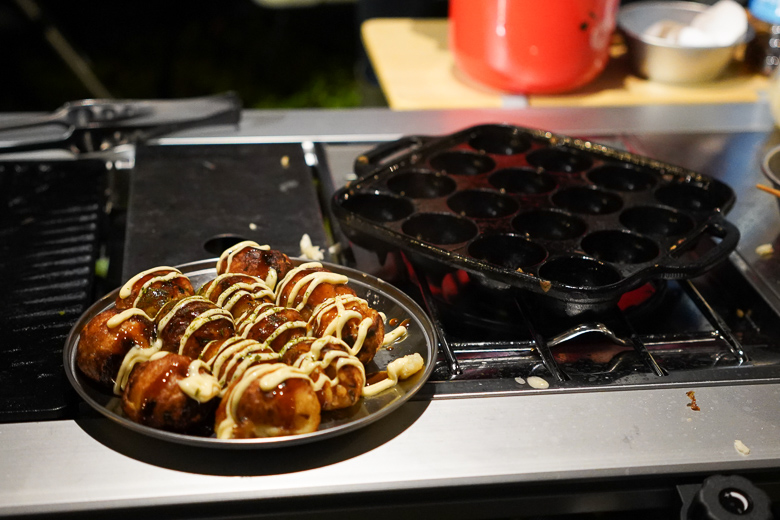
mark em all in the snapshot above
pixel 545 285
pixel 252 226
pixel 741 448
pixel 538 382
pixel 289 185
pixel 692 405
pixel 285 161
pixel 765 250
pixel 309 250
pixel 740 313
pixel 519 380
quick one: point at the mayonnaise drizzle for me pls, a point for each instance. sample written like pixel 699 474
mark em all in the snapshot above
pixel 202 319
pixel 310 281
pixel 283 328
pixel 228 298
pixel 312 360
pixel 268 376
pixel 256 314
pixel 117 320
pixel 227 258
pixel 127 288
pixel 398 369
pixel 397 334
pixel 134 356
pixel 163 322
pixel 236 349
pixel 200 386
pixel 343 316
pixel 246 322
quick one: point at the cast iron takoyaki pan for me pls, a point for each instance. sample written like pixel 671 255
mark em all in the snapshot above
pixel 561 217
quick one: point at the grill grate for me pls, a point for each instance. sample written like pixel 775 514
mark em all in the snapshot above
pixel 50 223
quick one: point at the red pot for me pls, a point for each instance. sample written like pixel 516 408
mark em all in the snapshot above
pixel 528 46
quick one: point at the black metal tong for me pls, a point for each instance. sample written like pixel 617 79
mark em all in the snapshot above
pixel 95 125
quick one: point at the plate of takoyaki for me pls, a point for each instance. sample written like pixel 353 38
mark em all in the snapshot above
pixel 254 349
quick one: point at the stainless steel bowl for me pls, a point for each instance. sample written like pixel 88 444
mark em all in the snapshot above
pixel 658 60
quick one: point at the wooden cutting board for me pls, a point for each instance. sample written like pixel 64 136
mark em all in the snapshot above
pixel 416 71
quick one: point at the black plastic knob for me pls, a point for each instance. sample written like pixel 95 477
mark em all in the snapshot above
pixel 730 498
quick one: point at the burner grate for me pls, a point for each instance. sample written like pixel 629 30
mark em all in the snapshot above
pixel 612 347
pixel 50 223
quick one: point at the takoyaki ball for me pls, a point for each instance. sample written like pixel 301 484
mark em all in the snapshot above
pixel 230 358
pixel 274 326
pixel 350 319
pixel 153 396
pixel 152 289
pixel 237 293
pixel 186 326
pixel 250 258
pixel 270 400
pixel 308 286
pixel 338 376
pixel 106 339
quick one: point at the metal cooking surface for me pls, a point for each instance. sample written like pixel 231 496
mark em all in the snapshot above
pixel 187 202
pixel 49 240
pixel 529 452
pixel 714 329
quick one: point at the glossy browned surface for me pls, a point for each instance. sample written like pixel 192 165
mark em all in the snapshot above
pixel 292 408
pixel 153 396
pixel 101 349
pixel 319 294
pixel 226 371
pixel 262 329
pixel 259 262
pixel 349 333
pixel 349 379
pixel 245 303
pixel 174 330
pixel 157 294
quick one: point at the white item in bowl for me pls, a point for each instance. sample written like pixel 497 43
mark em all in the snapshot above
pixel 720 25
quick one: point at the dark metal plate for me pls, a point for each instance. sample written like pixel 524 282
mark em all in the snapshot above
pixel 380 295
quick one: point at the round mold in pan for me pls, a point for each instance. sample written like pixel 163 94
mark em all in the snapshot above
pixel 564 188
pixel 421 184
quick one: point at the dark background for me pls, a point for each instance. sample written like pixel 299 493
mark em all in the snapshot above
pixel 272 57
pixel 289 57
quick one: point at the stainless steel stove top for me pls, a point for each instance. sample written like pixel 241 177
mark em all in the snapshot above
pixel 692 330
pixel 635 445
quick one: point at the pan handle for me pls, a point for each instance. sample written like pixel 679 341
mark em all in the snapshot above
pixel 386 152
pixel 683 267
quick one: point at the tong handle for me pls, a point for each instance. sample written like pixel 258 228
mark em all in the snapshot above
pixel 87 113
pixel 99 125
pixel 375 158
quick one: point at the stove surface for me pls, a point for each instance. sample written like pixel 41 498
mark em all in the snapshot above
pixel 721 328
pixel 486 446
